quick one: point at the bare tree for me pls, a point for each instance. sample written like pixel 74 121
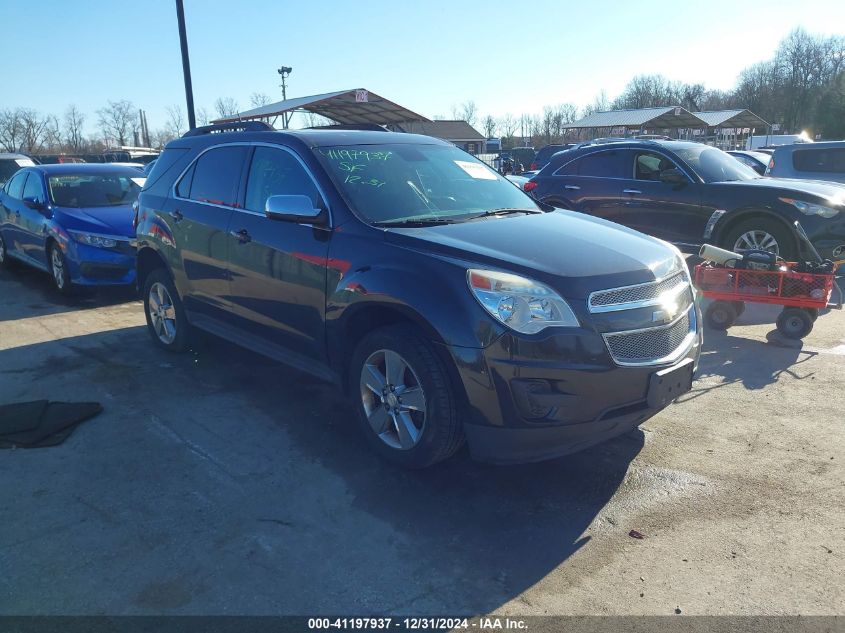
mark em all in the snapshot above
pixel 118 121
pixel 11 130
pixel 258 99
pixel 53 134
pixel 467 111
pixel 226 107
pixel 507 125
pixel 74 120
pixel 489 126
pixel 175 121
pixel 201 116
pixel 34 129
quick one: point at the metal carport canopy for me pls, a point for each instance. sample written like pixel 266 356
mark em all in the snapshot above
pixel 345 106
pixel 653 118
pixel 732 119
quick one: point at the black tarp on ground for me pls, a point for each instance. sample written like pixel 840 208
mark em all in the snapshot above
pixel 41 422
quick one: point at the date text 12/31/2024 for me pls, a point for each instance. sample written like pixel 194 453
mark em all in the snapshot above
pixel 483 623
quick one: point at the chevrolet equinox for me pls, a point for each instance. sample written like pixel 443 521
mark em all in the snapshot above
pixel 447 304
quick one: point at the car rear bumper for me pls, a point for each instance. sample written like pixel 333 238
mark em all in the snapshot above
pixel 531 400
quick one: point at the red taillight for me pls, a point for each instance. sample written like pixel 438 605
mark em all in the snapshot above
pixel 529 186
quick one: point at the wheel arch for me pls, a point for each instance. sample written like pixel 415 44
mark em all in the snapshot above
pixel 730 221
pixel 360 319
pixel 148 259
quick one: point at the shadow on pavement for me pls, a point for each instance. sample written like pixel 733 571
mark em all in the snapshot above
pixel 221 481
pixel 39 297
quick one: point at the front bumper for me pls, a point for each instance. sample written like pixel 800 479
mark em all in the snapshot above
pixel 827 236
pixel 536 398
pixel 93 266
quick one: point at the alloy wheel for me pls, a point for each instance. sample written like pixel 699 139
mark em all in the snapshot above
pixel 757 240
pixel 393 399
pixel 162 313
pixel 58 265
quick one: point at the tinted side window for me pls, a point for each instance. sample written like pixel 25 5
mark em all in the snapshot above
pixel 824 160
pixel 217 175
pixel 34 188
pixel 276 172
pixel 648 165
pixel 183 187
pixel 602 165
pixel 16 185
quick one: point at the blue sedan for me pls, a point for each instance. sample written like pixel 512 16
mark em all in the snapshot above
pixel 74 221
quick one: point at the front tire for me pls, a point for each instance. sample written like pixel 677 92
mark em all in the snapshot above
pixel 761 233
pixel 6 261
pixel 404 400
pixel 59 270
pixel 166 321
pixel 795 323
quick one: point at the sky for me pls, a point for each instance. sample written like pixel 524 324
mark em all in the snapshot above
pixel 506 56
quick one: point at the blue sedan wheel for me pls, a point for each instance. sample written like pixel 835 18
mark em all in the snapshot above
pixel 59 270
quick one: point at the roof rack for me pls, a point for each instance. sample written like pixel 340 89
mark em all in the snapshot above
pixel 645 138
pixel 237 126
pixel 371 127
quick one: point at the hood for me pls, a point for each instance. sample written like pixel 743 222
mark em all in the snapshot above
pixel 833 193
pixel 116 220
pixel 572 252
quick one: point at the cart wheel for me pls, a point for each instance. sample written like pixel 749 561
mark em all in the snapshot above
pixel 739 307
pixel 795 323
pixel 720 315
pixel 814 313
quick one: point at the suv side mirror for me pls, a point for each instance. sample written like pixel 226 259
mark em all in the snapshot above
pixel 293 209
pixel 34 203
pixel 673 176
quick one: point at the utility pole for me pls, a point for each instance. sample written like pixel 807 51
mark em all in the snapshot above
pixel 284 71
pixel 186 64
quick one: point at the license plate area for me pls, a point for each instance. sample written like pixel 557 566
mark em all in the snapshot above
pixel 667 384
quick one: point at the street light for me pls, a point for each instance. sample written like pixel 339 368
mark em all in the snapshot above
pixel 284 71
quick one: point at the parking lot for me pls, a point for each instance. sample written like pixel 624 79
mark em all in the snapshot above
pixel 219 482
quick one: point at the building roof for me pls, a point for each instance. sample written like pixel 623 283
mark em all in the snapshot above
pixel 448 130
pixel 731 118
pixel 348 107
pixel 655 118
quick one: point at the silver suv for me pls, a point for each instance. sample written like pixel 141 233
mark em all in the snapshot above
pixel 816 161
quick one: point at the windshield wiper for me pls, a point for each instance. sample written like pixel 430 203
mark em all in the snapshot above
pixel 419 221
pixel 504 211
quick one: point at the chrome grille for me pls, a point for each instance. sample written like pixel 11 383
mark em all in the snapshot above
pixel 620 298
pixel 653 345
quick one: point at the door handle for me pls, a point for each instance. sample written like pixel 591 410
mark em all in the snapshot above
pixel 633 192
pixel 242 236
pixel 572 187
pixel 177 216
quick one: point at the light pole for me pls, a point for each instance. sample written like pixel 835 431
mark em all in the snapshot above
pixel 186 64
pixel 284 71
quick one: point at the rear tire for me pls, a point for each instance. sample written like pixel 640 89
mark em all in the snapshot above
pixel 761 233
pixel 404 400
pixel 166 321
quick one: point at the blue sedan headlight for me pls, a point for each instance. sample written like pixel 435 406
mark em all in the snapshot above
pixel 92 239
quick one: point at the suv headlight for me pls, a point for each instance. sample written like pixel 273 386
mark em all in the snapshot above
pixel 89 239
pixel 808 208
pixel 519 303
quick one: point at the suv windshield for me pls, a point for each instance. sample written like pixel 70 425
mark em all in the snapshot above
pixel 94 190
pixel 396 182
pixel 714 165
